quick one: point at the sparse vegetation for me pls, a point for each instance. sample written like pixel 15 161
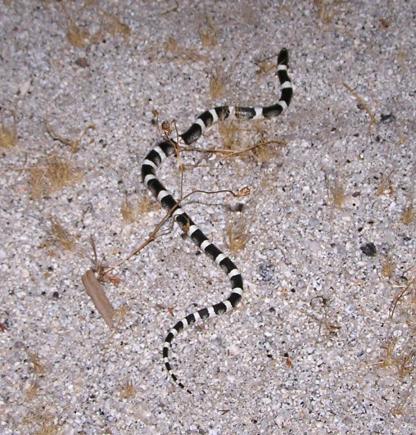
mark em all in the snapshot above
pixel 388 268
pixel 408 215
pixel 73 143
pixel 208 34
pixel 216 85
pixel 127 390
pixel 8 131
pixel 229 132
pixel 181 53
pixel 51 175
pixel 128 211
pixel 385 186
pixel 326 9
pixel 36 363
pixel 337 191
pixel 362 105
pixel 109 25
pixel 237 235
pixel 398 352
pixel 60 237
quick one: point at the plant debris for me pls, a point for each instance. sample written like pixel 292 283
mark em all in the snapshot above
pixel 96 292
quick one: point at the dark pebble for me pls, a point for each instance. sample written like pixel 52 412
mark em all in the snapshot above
pixel 369 249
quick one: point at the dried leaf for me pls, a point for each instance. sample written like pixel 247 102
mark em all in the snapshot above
pixel 96 292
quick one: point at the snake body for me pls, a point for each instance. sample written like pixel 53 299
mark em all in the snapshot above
pixel 167 148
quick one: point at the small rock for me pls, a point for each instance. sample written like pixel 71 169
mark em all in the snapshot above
pixel 369 249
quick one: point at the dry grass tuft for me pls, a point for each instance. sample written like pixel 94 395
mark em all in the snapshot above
pixel 108 25
pixel 399 351
pixel 235 139
pixel 362 105
pixel 388 268
pixel 128 211
pixel 337 191
pixel 183 53
pixel 74 144
pixel 40 422
pixel 249 13
pixel 60 236
pixel 146 205
pixel 326 9
pixel 230 134
pixel 114 26
pixel 128 390
pixel 8 136
pixel 32 391
pixel 385 187
pixel 121 312
pixel 237 235
pixel 264 66
pixel 8 132
pixel 52 175
pixel 408 214
pixel 384 23
pixel 48 428
pixel 76 36
pixel 264 150
pixel 324 315
pixel 402 360
pixel 216 85
pixel 208 34
pixel 37 365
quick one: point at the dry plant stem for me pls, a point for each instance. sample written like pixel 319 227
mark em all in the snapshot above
pixel 172 9
pixel 362 104
pixel 73 143
pixel 153 235
pixel 150 238
pixel 96 292
pixel 406 290
pixel 231 153
pixel 182 171
pixel 180 164
pixel 206 192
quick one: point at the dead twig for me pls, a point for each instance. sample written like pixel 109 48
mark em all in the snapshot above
pixel 150 238
pixel 244 191
pixel 74 144
pixel 231 153
pixel 361 104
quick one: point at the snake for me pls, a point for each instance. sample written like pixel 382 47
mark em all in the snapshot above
pixel 169 147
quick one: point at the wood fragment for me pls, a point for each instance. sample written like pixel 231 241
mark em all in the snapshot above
pixel 96 292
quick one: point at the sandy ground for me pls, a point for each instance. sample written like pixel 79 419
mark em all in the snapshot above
pixel 325 240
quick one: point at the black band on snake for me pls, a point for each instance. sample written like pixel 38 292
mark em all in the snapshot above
pixel 167 148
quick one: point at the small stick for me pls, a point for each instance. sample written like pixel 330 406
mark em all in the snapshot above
pixel 150 238
pixel 230 152
pixel 244 191
pixel 362 104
